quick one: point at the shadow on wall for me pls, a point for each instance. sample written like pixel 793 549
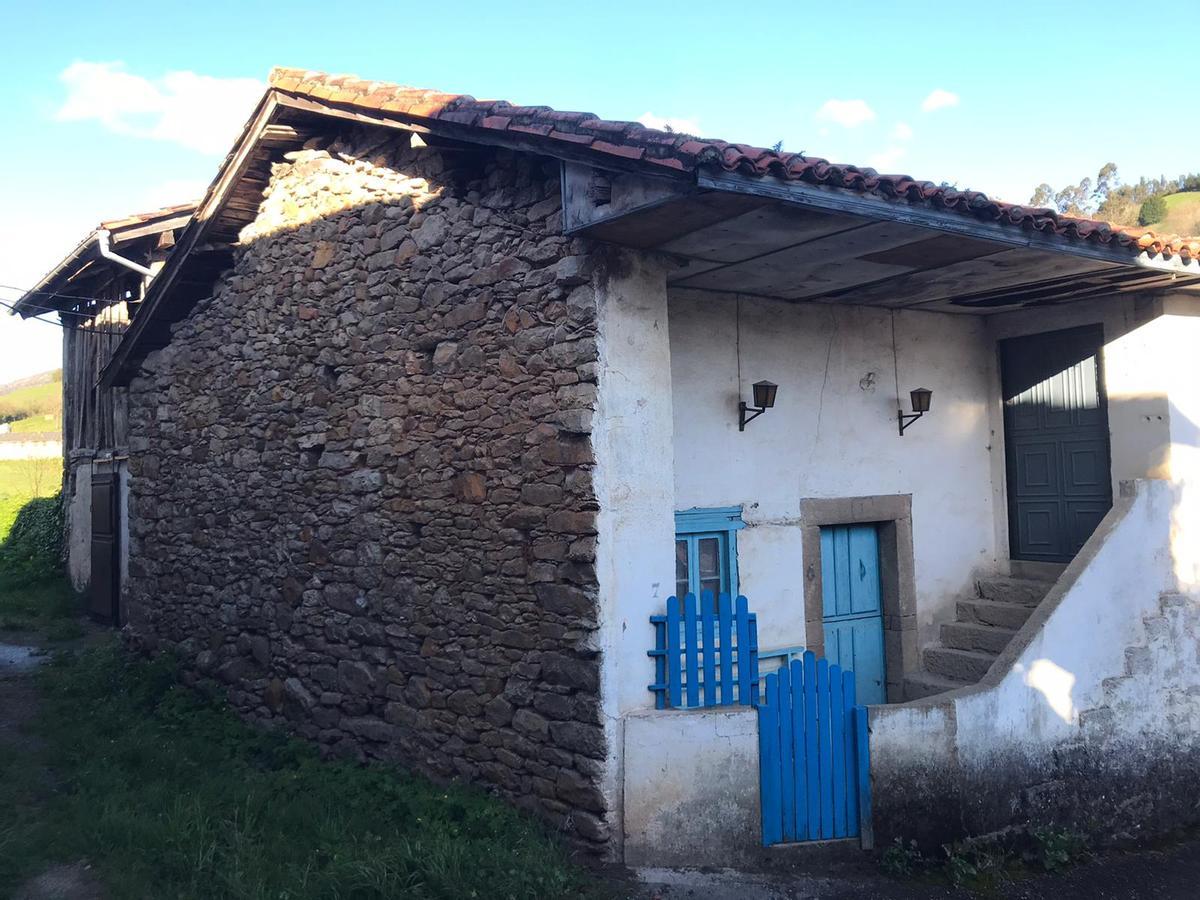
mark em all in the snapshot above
pixel 1090 718
pixel 361 479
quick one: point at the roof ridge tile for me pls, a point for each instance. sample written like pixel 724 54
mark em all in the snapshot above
pixel 684 153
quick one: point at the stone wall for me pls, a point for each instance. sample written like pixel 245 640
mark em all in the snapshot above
pixel 361 479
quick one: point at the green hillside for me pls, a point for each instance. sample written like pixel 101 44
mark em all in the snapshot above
pixel 30 405
pixel 1183 215
pixel 33 404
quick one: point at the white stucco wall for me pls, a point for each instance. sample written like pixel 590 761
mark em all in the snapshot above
pixel 691 787
pixel 1090 691
pixel 833 433
pixel 77 508
pixel 975 758
pixel 631 439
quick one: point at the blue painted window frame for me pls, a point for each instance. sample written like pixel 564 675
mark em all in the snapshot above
pixel 723 523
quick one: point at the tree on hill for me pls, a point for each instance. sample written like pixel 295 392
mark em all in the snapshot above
pixel 1107 198
pixel 1153 210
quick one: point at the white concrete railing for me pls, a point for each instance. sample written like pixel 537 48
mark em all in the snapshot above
pixel 30 446
pixel 1029 702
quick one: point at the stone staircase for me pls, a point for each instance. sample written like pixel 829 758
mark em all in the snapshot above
pixel 982 627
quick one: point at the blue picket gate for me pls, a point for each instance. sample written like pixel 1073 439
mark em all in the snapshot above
pixel 706 656
pixel 814 762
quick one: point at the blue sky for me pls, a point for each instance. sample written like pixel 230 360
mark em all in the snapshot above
pixel 114 108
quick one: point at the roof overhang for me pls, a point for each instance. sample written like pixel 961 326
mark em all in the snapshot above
pixel 789 240
pixel 750 232
pixel 75 277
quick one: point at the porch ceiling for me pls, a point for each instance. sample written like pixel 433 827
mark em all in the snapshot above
pixel 729 239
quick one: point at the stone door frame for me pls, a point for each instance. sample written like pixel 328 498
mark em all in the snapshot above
pixel 892 513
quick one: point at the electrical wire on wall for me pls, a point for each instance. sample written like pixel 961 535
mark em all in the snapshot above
pixel 93 330
pixel 737 340
pixel 895 360
pixel 833 330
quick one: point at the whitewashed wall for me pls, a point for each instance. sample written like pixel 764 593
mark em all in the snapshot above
pixel 833 433
pixel 631 438
pixel 1090 715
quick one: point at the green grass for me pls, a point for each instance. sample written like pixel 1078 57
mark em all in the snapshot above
pixel 168 795
pixel 37 424
pixel 48 607
pixel 34 408
pixel 33 400
pixel 1183 214
pixel 21 480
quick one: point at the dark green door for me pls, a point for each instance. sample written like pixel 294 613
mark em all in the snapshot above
pixel 1056 442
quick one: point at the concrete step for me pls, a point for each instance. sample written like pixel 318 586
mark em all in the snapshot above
pixel 973 636
pixel 992 612
pixel 1026 591
pixel 1037 571
pixel 965 665
pixel 926 684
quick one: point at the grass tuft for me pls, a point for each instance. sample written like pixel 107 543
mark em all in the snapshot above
pixel 168 794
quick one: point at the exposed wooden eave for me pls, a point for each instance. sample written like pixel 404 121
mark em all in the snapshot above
pixel 151 328
pixel 792 241
pixel 870 206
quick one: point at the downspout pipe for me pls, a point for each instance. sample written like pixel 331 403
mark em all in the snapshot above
pixel 102 243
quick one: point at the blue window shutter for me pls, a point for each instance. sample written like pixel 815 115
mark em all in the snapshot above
pixel 722 523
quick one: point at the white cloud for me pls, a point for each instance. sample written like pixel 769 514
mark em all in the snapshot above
pixel 847 113
pixel 197 111
pixel 939 99
pixel 669 123
pixel 902 132
pixel 887 160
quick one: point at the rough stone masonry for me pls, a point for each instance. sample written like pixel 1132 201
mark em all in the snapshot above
pixel 361 486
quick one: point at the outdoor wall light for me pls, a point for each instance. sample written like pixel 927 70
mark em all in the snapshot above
pixel 920 405
pixel 764 399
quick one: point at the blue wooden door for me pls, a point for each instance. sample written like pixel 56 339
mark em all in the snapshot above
pixel 852 606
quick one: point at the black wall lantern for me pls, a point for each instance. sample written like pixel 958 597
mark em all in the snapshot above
pixel 920 405
pixel 764 399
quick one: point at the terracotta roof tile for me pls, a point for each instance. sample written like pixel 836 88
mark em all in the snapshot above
pixel 619 149
pixel 686 153
pixel 572 137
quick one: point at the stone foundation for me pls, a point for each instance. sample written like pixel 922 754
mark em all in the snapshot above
pixel 361 486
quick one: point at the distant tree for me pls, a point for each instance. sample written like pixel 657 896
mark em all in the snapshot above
pixel 1107 198
pixel 1153 210
pixel 1106 182
pixel 1043 195
pixel 1075 200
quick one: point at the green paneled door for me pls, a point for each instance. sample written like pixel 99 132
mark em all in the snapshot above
pixel 853 608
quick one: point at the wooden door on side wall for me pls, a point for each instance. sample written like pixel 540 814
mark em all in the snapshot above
pixel 104 588
pixel 1056 441
pixel 853 610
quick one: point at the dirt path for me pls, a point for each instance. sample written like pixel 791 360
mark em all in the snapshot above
pixel 1171 873
pixel 18 706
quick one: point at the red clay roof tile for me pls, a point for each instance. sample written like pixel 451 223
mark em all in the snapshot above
pixel 686 153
